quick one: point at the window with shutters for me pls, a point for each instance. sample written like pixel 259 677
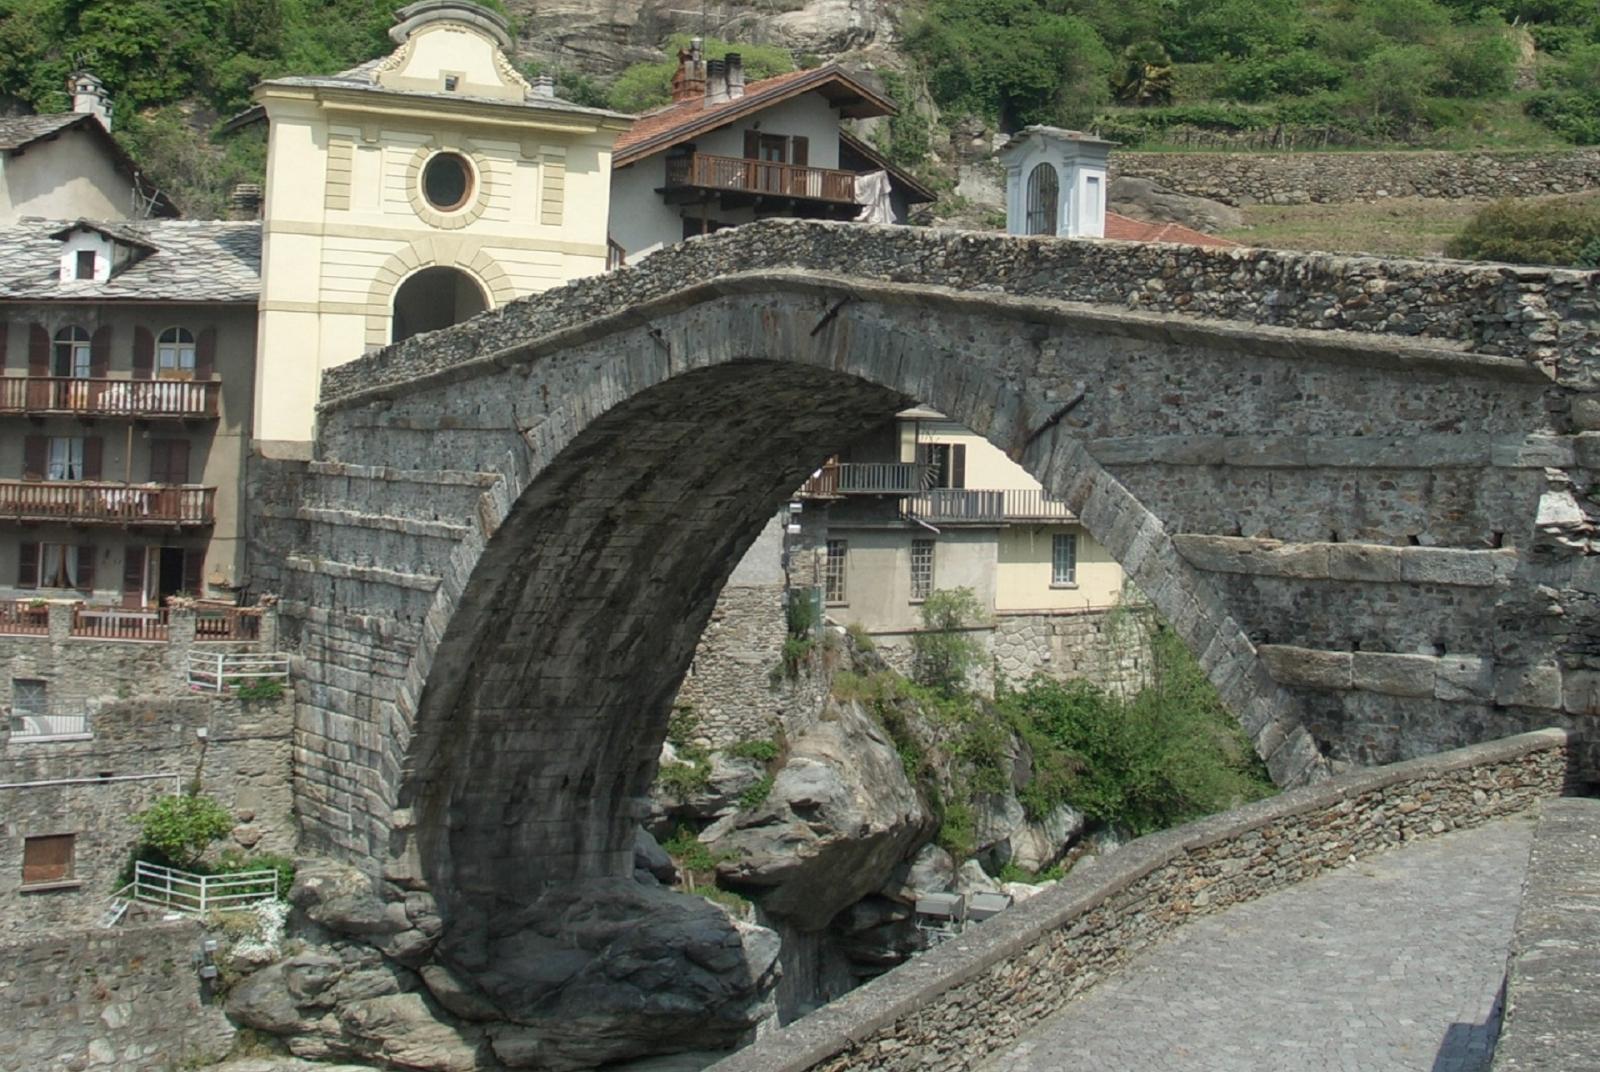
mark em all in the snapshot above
pixel 1064 560
pixel 944 465
pixel 65 460
pixel 65 565
pixel 73 354
pixel 833 575
pixel 169 461
pixel 175 354
pixel 48 859
pixel 921 569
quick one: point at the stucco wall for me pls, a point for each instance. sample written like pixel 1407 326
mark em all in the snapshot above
pixel 69 177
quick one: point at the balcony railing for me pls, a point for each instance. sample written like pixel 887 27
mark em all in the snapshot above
pixel 987 506
pixel 864 478
pixel 50 727
pixel 24 617
pixel 83 501
pixel 109 623
pixel 109 398
pixel 706 172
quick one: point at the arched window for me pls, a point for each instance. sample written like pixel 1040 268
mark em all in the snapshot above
pixel 1044 196
pixel 435 298
pixel 73 355
pixel 175 354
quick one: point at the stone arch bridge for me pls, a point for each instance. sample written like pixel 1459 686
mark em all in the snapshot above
pixel 1359 489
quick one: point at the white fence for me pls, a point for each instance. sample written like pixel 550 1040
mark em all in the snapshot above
pixel 50 727
pixel 194 895
pixel 222 671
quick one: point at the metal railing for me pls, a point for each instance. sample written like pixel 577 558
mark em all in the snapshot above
pixel 223 671
pixel 705 171
pixel 108 623
pixel 23 617
pixel 95 501
pixel 109 398
pixel 1026 503
pixel 49 727
pixel 865 478
pixel 181 891
pixel 616 256
pixel 987 506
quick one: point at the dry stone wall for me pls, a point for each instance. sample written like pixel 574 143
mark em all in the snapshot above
pixel 952 1006
pixel 121 1000
pixel 1107 648
pixel 1299 178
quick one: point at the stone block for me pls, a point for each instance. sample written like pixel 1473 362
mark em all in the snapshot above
pixel 1464 677
pixel 1307 666
pixel 1448 565
pixel 1364 562
pixel 1394 674
pixel 1243 554
pixel 1528 686
pixel 1580 692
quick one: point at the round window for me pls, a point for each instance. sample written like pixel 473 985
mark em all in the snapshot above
pixel 447 181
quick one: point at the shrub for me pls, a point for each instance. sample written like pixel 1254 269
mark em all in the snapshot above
pixel 648 85
pixel 944 653
pixel 182 827
pixel 756 795
pixel 263 690
pixel 1554 231
pixel 763 751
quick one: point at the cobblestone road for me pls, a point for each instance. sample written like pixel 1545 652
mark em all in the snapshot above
pixel 1390 965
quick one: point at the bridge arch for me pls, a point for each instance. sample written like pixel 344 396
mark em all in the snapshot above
pixel 573 514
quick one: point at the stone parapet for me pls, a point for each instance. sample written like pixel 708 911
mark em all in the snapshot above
pixel 951 1007
pixel 1552 1017
pixel 1298 178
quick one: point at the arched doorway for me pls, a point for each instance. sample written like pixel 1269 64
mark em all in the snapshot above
pixel 1043 200
pixel 435 298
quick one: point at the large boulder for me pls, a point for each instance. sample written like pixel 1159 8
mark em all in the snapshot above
pixel 1144 200
pixel 840 817
pixel 606 970
pixel 931 870
pixel 1039 844
pixel 728 779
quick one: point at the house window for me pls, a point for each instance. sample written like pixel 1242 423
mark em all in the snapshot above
pixel 921 569
pixel 169 461
pixel 47 859
pixel 29 697
pixel 833 588
pixel 72 353
pixel 175 354
pixel 1044 197
pixel 1064 560
pixel 65 565
pixel 451 82
pixel 945 465
pixel 447 181
pixel 85 264
pixel 66 458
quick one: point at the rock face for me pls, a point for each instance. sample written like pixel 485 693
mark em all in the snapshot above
pixel 841 815
pixel 1143 199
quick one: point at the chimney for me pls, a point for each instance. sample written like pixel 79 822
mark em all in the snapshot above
pixel 735 64
pixel 544 86
pixel 244 202
pixel 89 95
pixel 716 81
pixel 689 81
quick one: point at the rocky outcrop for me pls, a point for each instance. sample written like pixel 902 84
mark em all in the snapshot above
pixel 840 817
pixel 1144 199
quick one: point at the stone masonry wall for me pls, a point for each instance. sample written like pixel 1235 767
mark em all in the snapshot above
pixel 1110 648
pixel 1296 178
pixel 951 1007
pixel 730 684
pixel 122 1000
pixel 140 749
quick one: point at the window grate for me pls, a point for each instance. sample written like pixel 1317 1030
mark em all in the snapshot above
pixel 921 569
pixel 833 577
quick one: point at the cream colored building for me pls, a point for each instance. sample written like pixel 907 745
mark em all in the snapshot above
pixel 412 192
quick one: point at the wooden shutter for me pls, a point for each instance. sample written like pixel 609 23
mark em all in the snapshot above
pixel 144 354
pixel 958 465
pixel 169 461
pixel 86 564
pixel 799 150
pixel 133 556
pixel 5 331
pixel 194 565
pixel 205 354
pixel 27 565
pixel 46 859
pixel 38 350
pixel 35 456
pixel 100 352
pixel 752 145
pixel 93 454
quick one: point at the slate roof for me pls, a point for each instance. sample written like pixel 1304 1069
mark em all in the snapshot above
pixel 193 261
pixel 1127 229
pixel 685 119
pixel 18 131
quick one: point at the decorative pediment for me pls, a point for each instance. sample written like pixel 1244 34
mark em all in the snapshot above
pixel 449 46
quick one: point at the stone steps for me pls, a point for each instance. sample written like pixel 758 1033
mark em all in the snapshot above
pixel 361 588
pixel 401 544
pixel 433 495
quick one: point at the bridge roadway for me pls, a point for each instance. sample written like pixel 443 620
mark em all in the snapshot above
pixel 1393 964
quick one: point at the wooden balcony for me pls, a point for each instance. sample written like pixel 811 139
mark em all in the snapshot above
pixel 83 397
pixel 986 507
pixel 94 502
pixel 836 480
pixel 742 180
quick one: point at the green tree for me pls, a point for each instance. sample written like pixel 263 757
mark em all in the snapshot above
pixel 649 85
pixel 945 652
pixel 182 826
pixel 1146 76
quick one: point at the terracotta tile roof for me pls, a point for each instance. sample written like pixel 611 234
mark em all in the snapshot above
pixel 680 120
pixel 1127 229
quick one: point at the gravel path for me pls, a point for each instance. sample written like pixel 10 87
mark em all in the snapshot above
pixel 1392 964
